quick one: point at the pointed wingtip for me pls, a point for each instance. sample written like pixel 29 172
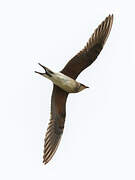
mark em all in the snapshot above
pixel 111 16
pixel 44 162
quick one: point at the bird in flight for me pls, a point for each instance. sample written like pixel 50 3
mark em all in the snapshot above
pixel 64 82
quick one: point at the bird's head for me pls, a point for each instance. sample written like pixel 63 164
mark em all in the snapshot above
pixel 48 73
pixel 82 87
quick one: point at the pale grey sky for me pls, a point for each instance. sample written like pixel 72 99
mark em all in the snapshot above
pixel 99 135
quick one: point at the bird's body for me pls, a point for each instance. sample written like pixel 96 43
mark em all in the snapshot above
pixel 65 83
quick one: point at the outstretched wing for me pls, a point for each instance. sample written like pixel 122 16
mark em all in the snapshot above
pixel 90 52
pixel 56 124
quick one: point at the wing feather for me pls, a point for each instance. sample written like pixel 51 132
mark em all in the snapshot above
pixel 56 124
pixel 90 52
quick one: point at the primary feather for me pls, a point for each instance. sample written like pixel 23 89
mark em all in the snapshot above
pixel 90 52
pixel 56 124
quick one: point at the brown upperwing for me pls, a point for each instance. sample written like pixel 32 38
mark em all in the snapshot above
pixel 90 52
pixel 56 124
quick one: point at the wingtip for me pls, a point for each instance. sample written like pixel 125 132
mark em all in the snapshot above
pixel 111 16
pixel 45 162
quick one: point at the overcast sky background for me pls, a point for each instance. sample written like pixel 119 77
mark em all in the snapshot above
pixel 99 135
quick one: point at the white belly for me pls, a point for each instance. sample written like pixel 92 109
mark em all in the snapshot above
pixel 66 83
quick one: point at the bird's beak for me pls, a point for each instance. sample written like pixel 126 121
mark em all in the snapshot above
pixel 47 71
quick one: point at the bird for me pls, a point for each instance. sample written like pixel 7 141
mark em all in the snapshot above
pixel 64 83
